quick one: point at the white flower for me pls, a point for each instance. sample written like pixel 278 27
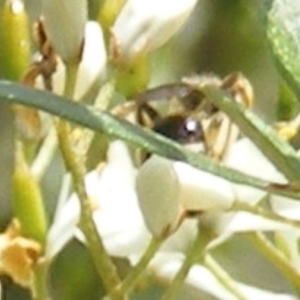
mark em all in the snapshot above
pixel 167 190
pixel 143 26
pixel 112 187
pixel 65 21
pixel 120 221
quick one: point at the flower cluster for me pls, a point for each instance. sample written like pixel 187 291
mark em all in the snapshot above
pixel 162 215
pixel 128 214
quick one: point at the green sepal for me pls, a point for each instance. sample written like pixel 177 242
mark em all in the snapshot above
pixel 132 78
pixel 108 13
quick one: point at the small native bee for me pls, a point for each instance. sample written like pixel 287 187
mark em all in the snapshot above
pixel 181 112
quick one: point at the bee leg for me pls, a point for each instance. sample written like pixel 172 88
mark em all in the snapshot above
pixel 146 115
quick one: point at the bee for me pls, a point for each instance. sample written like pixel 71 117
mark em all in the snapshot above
pixel 181 112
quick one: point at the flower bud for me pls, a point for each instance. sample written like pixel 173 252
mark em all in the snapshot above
pixel 65 23
pixel 143 26
pixel 14 40
pixel 109 12
pixel 91 67
pixel 28 204
pixel 168 189
pixel 158 189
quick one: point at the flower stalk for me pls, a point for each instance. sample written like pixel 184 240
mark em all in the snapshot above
pixel 194 254
pixel 39 290
pixel 277 258
pixel 74 164
pixel 223 277
pixel 129 282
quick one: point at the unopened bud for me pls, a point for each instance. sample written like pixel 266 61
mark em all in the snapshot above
pixel 143 26
pixel 14 40
pixel 65 24
pixel 158 193
pixel 168 190
pixel 28 204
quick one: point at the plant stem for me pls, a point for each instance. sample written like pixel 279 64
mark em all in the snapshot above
pixel 103 263
pixel 39 289
pixel 223 277
pixel 71 77
pixel 276 257
pixel 130 281
pixel 194 255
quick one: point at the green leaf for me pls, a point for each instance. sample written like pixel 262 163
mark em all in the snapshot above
pixel 283 31
pixel 279 152
pixel 104 122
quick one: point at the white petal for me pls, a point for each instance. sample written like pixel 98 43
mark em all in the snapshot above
pixel 158 190
pixel 247 158
pixel 125 239
pixel 67 218
pixel 286 207
pixel 118 218
pixel 63 228
pixel 202 191
pixel 146 25
pixel 289 240
pixel 93 62
pixel 225 224
pixel 228 223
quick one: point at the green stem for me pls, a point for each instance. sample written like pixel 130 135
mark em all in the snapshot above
pixel 39 289
pixel 70 83
pixel 277 258
pixel 130 281
pixel 223 277
pixel 194 254
pixel 103 263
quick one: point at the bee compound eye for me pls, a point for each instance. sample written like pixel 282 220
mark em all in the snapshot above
pixel 181 129
pixel 192 131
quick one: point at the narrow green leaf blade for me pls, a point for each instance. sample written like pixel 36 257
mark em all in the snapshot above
pixel 279 152
pixel 283 32
pixel 103 122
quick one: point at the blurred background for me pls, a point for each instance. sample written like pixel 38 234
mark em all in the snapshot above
pixel 220 37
